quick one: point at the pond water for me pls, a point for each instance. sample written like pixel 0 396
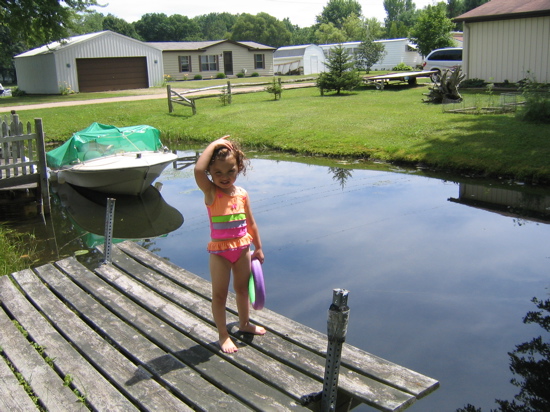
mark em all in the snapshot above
pixel 440 273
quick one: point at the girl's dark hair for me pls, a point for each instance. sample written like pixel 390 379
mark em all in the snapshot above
pixel 221 153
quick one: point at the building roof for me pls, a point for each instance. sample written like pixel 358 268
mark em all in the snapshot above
pixel 506 9
pixel 292 51
pixel 204 45
pixel 71 41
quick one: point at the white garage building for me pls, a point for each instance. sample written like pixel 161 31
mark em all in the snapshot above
pixel 303 59
pixel 89 63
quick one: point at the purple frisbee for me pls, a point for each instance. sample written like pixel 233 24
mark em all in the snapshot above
pixel 256 286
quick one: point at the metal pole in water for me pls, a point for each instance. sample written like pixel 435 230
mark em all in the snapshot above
pixel 337 327
pixel 109 220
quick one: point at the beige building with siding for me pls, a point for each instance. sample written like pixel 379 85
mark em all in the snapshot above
pixel 184 60
pixel 507 40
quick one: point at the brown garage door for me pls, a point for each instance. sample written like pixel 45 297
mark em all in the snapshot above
pixel 115 73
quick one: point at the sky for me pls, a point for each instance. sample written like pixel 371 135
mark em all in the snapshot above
pixel 300 12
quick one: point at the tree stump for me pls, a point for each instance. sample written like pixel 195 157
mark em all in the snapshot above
pixel 446 89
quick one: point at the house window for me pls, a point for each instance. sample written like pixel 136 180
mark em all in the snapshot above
pixel 209 63
pixel 259 61
pixel 185 64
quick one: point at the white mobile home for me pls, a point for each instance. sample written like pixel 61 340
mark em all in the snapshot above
pixel 89 63
pixel 397 51
pixel 303 59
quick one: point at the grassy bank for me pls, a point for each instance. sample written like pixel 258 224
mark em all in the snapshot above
pixel 392 125
pixel 16 250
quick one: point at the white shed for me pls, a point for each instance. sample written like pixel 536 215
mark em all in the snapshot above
pixel 507 40
pixel 89 63
pixel 397 51
pixel 303 59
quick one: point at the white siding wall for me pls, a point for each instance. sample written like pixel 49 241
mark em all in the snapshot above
pixel 242 59
pixel 45 73
pixel 108 45
pixel 397 52
pixel 314 60
pixel 37 74
pixel 508 49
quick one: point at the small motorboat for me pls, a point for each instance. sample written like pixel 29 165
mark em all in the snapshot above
pixel 108 159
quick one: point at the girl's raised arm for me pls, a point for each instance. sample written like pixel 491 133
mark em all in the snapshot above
pixel 201 167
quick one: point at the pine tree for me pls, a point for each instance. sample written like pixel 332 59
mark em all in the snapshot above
pixel 341 74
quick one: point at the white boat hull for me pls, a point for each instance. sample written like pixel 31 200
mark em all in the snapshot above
pixel 124 173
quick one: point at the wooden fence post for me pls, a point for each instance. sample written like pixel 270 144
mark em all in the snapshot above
pixel 169 93
pixel 228 92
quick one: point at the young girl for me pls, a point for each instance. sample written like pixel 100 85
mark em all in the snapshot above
pixel 233 229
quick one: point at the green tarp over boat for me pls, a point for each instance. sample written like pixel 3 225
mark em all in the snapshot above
pixel 101 140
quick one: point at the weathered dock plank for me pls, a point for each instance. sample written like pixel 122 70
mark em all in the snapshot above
pixel 137 334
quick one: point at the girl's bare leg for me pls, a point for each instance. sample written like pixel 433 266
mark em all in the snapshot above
pixel 220 272
pixel 241 276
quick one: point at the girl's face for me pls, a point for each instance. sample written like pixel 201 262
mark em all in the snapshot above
pixel 224 172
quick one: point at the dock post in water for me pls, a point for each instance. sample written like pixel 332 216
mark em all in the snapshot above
pixel 337 327
pixel 109 220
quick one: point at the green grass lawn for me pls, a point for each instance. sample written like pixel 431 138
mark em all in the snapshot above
pixel 392 125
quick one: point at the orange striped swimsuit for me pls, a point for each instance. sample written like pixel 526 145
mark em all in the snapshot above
pixel 227 215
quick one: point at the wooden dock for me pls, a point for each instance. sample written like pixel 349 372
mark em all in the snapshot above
pixel 137 335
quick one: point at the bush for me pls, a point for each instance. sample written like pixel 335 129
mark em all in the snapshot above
pixel 537 102
pixel 197 77
pixel 402 67
pixel 240 75
pixel 473 83
pixel 275 88
pixel 220 76
pixel 255 74
pixel 17 92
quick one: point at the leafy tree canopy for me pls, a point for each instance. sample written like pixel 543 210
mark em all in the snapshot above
pixel 40 22
pixel 369 54
pixel 261 28
pixel 432 30
pixel 401 16
pixel 336 11
pixel 160 27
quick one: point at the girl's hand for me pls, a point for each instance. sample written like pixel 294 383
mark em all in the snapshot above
pixel 222 141
pixel 258 254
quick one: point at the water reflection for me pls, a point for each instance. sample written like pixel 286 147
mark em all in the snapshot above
pixel 143 217
pixel 521 204
pixel 435 285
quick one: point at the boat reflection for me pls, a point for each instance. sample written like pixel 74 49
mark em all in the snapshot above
pixel 143 217
pixel 522 204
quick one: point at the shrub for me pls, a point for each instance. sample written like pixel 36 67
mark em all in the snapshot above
pixel 255 74
pixel 240 75
pixel 17 92
pixel 537 102
pixel 402 67
pixel 220 76
pixel 197 77
pixel 473 83
pixel 275 88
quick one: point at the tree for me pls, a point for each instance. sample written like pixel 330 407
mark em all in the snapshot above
pixel 432 30
pixel 341 74
pixel 120 26
pixel 88 22
pixel 154 27
pixel 216 26
pixel 261 28
pixel 328 33
pixel 374 29
pixel 369 54
pixel 39 22
pixel 401 16
pixel 337 10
